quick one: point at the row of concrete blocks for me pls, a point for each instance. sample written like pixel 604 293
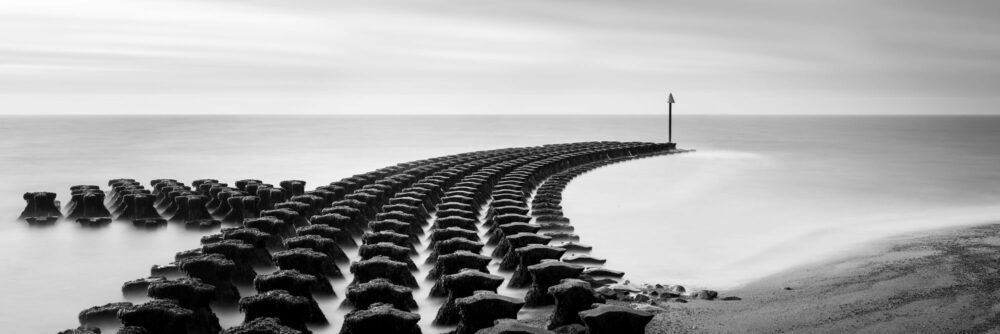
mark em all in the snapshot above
pixel 401 213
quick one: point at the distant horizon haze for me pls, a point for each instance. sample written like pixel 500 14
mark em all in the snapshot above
pixel 482 57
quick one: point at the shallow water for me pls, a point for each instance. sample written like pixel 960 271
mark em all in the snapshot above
pixel 759 195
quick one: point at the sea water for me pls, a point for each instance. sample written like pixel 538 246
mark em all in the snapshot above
pixel 759 194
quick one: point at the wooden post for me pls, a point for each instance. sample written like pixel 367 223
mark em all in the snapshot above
pixel 670 118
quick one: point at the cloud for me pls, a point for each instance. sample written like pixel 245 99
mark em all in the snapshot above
pixel 539 54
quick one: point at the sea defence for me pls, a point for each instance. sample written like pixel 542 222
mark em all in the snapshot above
pixel 506 199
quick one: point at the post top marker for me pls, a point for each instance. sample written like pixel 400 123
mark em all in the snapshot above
pixel 670 99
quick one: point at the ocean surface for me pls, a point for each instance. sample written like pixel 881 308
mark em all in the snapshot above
pixel 759 195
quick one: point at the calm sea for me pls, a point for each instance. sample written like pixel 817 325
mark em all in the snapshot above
pixel 761 194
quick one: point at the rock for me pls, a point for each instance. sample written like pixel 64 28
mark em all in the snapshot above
pixel 164 317
pixel 243 255
pixel 559 235
pixel 293 187
pixel 251 236
pixel 704 294
pixel 132 330
pixel 191 208
pixel 545 275
pixel 394 252
pixel 82 330
pixel 242 207
pixel 512 326
pixel 165 270
pixel 463 284
pixel 505 250
pixel 139 286
pixel 42 221
pixel 648 308
pixel 597 282
pixel 603 272
pixel 201 224
pixel 288 216
pixel 407 208
pixel 731 298
pixel 571 296
pixel 606 293
pixel 340 220
pixel 40 204
pixel 191 294
pixel 500 231
pixel 641 298
pixel 453 245
pixel 454 263
pixel 509 202
pixel 530 255
pixel 221 202
pixel 382 267
pixel 510 242
pixel 510 218
pixel 87 203
pixel 571 329
pixel 277 228
pixel 463 213
pixel 455 221
pixel 343 238
pixel 381 290
pixel 269 197
pixel 554 223
pixel 307 261
pixel 149 223
pixel 500 210
pixel 138 206
pixel 380 318
pixel 483 308
pixel 292 311
pixel 261 326
pixel 319 244
pixel 304 206
pixel 455 206
pixel 604 318
pixel 104 314
pixel 394 238
pixel 285 279
pixel 397 226
pixel 213 269
pixel 439 235
pixel 415 222
pixel 626 287
pixel 356 219
pixel 573 246
pixel 93 222
pixel 296 284
pixel 242 184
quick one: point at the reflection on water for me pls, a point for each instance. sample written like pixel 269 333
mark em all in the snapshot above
pixel 761 193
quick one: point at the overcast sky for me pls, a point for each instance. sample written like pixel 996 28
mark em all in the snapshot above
pixel 512 56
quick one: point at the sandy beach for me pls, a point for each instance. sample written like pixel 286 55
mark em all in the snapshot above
pixel 942 281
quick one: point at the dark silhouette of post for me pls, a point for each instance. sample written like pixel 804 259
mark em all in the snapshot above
pixel 670 118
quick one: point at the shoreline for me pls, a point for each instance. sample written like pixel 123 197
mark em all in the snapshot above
pixel 941 280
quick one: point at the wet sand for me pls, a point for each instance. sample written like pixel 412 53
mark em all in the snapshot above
pixel 943 281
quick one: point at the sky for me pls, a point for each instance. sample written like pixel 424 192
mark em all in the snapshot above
pixel 499 57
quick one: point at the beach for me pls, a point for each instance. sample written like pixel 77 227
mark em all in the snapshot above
pixel 941 281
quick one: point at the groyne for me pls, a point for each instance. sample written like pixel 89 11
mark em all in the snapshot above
pixel 481 220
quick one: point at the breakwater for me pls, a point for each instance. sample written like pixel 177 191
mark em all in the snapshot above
pixel 461 206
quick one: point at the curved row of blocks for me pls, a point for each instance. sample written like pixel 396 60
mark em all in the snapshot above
pixel 304 234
